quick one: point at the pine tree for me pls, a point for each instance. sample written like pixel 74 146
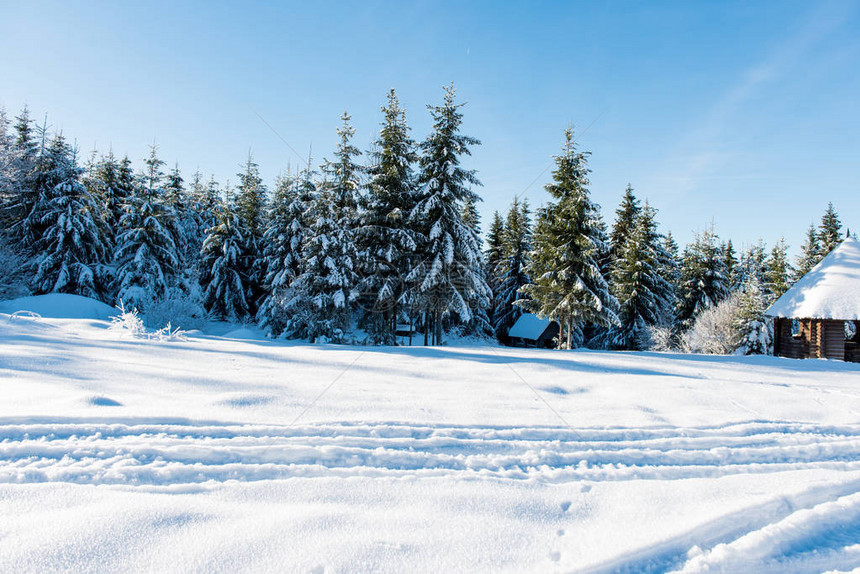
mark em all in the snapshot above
pixel 386 238
pixel 492 255
pixel 625 220
pixel 147 255
pixel 283 240
pixel 251 209
pixel 224 293
pixel 830 231
pixel 749 321
pixel 731 263
pixel 567 283
pixel 645 297
pixel 809 253
pixel 324 288
pixel 753 264
pixel 72 252
pixel 779 271
pixel 514 260
pixel 449 278
pixel 703 281
pixel 33 170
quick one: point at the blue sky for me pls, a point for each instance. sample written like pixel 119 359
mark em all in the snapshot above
pixel 745 114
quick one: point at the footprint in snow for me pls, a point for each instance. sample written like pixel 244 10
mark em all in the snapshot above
pixel 585 488
pixel 555 556
pixel 318 569
pixel 560 532
pixel 565 505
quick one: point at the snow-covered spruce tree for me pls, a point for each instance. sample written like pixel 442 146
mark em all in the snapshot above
pixel 645 297
pixel 224 292
pixel 511 267
pixel 752 328
pixel 324 290
pixel 829 231
pixel 196 218
pixel 810 254
pixel 111 182
pixel 779 271
pixel 567 283
pixel 251 209
pixel 448 278
pixel 33 172
pixel 703 281
pixel 492 256
pixel 147 256
pixel 626 217
pixel 385 237
pixel 282 240
pixel 72 251
pixel 753 265
pixel 732 270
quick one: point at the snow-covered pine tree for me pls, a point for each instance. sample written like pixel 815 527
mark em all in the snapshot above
pixel 732 271
pixel 72 252
pixel 492 256
pixel 779 271
pixel 626 217
pixel 147 256
pixel 196 218
pixel 324 290
pixel 8 177
pixel 753 264
pixel 645 297
pixel 749 321
pixel 224 293
pixel 703 281
pixel 33 171
pixel 251 209
pixel 829 231
pixel 514 260
pixel 810 253
pixel 386 238
pixel 449 279
pixel 567 284
pixel 283 240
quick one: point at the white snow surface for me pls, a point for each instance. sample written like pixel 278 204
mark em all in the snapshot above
pixel 235 454
pixel 528 326
pixel 831 289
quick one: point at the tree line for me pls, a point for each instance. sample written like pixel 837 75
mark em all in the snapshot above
pixel 354 251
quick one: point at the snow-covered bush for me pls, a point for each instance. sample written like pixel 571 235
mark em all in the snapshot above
pixel 656 338
pixel 176 309
pixel 714 331
pixel 128 322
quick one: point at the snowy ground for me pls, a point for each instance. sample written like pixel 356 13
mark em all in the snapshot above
pixel 225 454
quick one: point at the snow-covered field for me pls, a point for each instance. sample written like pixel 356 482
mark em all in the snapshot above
pixel 232 453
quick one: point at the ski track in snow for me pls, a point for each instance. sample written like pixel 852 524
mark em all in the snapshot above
pixel 817 528
pixel 155 454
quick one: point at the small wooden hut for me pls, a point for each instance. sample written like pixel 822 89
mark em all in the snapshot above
pixel 819 317
pixel 532 331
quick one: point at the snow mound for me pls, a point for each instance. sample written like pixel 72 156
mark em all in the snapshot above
pixel 244 333
pixel 60 306
pixel 831 290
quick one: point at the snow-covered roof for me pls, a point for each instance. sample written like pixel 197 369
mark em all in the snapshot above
pixel 529 326
pixel 831 290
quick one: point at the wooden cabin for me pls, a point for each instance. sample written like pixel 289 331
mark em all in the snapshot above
pixel 532 331
pixel 819 317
